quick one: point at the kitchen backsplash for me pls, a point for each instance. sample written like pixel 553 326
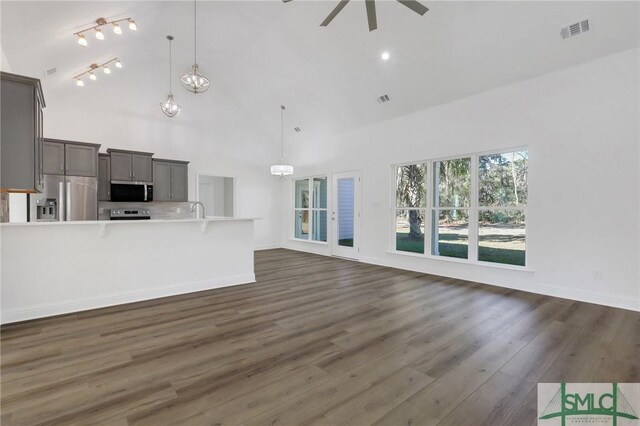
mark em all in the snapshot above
pixel 159 210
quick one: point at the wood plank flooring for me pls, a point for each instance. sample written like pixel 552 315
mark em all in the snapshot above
pixel 318 341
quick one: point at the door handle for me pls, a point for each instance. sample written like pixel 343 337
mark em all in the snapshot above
pixel 61 202
pixel 68 201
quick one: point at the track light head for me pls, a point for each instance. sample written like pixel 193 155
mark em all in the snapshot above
pixel 116 28
pixel 82 41
pixel 79 82
pixel 99 34
pixel 132 25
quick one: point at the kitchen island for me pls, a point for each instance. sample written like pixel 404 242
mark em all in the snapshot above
pixel 52 268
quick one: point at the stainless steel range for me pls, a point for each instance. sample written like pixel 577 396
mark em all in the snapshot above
pixel 123 213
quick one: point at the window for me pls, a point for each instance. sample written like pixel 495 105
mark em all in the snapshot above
pixel 450 211
pixel 502 198
pixel 472 207
pixel 410 208
pixel 310 209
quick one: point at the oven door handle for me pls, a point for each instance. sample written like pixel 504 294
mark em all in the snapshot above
pixel 145 193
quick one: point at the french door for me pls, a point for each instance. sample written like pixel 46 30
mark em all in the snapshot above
pixel 345 215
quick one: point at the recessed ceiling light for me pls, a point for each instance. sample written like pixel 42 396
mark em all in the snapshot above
pixel 385 56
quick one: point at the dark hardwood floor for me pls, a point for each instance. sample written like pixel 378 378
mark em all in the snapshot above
pixel 316 340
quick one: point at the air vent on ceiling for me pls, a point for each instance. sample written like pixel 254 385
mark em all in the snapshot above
pixel 575 29
pixel 297 129
pixel 50 72
pixel 383 99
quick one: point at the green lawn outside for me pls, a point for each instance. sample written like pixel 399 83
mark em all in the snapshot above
pixel 450 245
pixel 346 242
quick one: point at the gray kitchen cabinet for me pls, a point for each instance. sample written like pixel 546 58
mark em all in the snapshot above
pixel 131 166
pixel 80 160
pixel 142 168
pixel 121 166
pixel 161 181
pixel 170 180
pixel 21 133
pixel 179 182
pixel 53 158
pixel 70 158
pixel 104 177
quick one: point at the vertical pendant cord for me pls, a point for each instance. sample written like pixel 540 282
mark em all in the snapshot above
pixel 170 68
pixel 281 133
pixel 195 32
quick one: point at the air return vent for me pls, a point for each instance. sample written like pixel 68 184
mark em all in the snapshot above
pixel 575 29
pixel 50 72
pixel 384 99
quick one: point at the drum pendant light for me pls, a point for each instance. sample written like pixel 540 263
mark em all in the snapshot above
pixel 282 170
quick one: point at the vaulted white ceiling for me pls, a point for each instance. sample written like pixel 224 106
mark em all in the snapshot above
pixel 259 54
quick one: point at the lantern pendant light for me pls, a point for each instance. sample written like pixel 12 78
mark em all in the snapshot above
pixel 170 107
pixel 194 81
pixel 281 170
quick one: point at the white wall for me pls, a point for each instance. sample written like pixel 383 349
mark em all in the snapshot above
pixel 581 126
pixel 46 271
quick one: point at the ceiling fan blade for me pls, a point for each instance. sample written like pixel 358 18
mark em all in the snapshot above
pixel 371 14
pixel 334 12
pixel 415 6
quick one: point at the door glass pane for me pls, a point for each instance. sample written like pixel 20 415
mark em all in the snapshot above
pixel 320 193
pixel 452 182
pixel 503 179
pixel 345 210
pixel 410 230
pixel 410 185
pixel 302 193
pixel 301 224
pixel 501 237
pixel 450 233
pixel 319 225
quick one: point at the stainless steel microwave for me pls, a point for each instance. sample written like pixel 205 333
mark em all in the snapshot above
pixel 131 191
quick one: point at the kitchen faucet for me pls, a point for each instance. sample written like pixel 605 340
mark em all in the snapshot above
pixel 193 207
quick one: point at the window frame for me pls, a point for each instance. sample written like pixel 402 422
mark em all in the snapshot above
pixel 473 211
pixel 309 209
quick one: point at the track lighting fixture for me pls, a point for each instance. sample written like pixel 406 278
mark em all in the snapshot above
pixel 101 22
pixel 91 72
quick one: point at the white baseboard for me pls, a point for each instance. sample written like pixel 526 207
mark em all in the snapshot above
pixel 544 289
pixel 47 310
pixel 267 247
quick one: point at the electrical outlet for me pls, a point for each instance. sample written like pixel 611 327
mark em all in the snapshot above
pixel 178 210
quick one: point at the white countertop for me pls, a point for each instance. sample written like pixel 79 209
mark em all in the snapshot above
pixel 117 222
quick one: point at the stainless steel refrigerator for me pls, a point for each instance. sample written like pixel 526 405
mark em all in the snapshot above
pixel 65 198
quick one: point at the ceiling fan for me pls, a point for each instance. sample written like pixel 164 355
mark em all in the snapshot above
pixel 414 5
